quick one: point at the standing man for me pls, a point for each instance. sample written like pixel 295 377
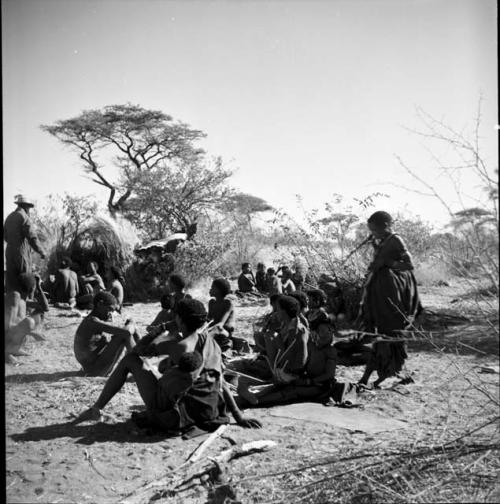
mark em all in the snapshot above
pixel 20 238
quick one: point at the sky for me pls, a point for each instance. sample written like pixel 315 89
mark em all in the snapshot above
pixel 298 97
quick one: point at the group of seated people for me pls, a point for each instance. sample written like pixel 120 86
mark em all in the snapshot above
pixel 71 290
pixel 193 384
pixel 25 307
pixel 270 281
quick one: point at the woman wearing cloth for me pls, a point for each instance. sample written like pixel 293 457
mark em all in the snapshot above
pixel 390 301
pixel 203 403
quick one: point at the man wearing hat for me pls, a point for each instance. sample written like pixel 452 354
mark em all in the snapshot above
pixel 20 238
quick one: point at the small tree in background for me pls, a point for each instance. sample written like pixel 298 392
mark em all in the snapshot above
pixel 475 227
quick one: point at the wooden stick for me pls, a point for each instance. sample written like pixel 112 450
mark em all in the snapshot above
pixel 206 443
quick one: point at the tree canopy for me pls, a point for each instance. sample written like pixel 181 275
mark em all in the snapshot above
pixel 164 177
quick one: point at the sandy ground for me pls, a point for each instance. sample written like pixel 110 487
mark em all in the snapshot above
pixel 48 460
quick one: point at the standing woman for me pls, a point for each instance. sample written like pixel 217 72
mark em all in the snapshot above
pixel 390 301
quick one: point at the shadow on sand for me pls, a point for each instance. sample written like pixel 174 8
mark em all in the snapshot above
pixel 89 434
pixel 42 377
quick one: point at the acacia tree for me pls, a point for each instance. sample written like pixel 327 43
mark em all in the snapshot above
pixel 158 161
pixel 173 197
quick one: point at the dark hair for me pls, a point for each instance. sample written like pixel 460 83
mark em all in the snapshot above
pixel 190 361
pixel 290 305
pixel 66 262
pixel 301 297
pixel 178 280
pixel 317 295
pixel 261 265
pixel 26 282
pixel 165 302
pixel 244 265
pixel 380 219
pixel 116 273
pixel 271 271
pixel 274 297
pixel 105 298
pixel 222 285
pixel 192 313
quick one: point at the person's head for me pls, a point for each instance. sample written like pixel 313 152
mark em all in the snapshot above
pixel 165 302
pixel 301 297
pixel 261 267
pixel 246 267
pixel 115 274
pixel 27 284
pixel 190 361
pixel 104 304
pixel 66 262
pixel 271 271
pixel 92 267
pixel 220 288
pixel 317 298
pixel 176 282
pixel 23 202
pixel 273 298
pixel 380 223
pixel 286 272
pixel 288 308
pixel 190 315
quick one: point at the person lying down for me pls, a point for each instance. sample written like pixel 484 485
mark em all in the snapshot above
pixel 188 392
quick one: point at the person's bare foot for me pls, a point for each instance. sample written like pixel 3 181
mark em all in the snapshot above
pixel 38 336
pixel 92 414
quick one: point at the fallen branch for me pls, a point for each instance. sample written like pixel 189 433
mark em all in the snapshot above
pixel 210 471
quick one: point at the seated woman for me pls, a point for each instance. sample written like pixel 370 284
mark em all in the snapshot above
pixel 303 300
pixel 246 280
pixel 176 292
pixel 66 288
pixel 171 405
pixel 221 314
pixel 273 283
pixel 24 311
pixel 260 277
pixel 317 380
pixel 97 352
pixel 91 283
pixel 287 284
pixel 116 281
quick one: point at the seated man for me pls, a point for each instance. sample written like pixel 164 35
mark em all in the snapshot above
pixel 66 288
pixel 174 401
pixel 24 311
pixel 246 280
pixel 97 352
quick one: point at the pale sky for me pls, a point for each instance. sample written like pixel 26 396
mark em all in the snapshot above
pixel 301 97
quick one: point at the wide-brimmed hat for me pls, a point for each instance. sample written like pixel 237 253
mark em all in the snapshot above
pixel 20 199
